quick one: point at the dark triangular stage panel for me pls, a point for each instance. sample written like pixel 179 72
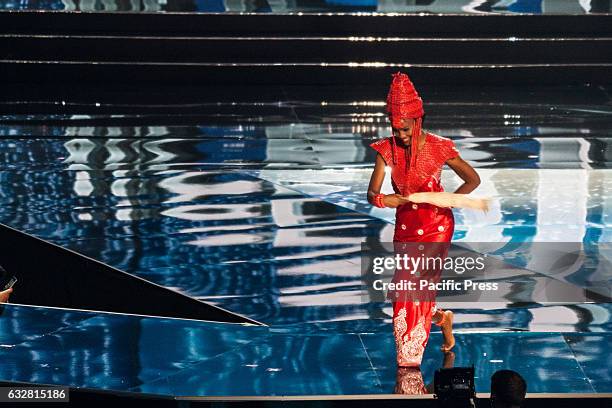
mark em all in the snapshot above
pixel 49 275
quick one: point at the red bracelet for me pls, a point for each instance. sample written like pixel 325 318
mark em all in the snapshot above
pixel 378 200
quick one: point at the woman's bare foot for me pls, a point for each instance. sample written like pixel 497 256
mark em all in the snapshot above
pixel 447 332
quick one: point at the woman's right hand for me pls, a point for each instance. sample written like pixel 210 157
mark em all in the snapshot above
pixel 4 295
pixel 394 200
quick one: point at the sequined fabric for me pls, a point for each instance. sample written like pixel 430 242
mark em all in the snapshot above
pixel 429 161
pixel 417 223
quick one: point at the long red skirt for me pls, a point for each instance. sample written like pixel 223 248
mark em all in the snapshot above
pixel 412 316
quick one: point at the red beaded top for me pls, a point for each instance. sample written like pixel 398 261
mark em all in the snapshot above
pixel 429 161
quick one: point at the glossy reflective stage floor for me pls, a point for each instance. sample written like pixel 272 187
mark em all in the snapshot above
pixel 254 201
pixel 319 6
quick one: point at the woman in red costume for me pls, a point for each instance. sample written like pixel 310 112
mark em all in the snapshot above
pixel 416 157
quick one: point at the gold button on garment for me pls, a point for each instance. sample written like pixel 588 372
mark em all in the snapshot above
pixel 440 228
pixel 421 247
pixel 420 232
pixel 414 206
pixel 429 184
pixel 416 302
pixel 403 227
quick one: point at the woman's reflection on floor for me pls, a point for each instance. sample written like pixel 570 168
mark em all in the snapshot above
pixel 409 380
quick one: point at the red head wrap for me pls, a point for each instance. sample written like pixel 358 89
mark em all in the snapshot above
pixel 403 102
